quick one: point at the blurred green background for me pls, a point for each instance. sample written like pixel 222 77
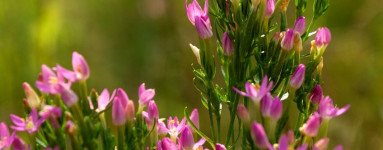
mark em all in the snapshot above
pixel 127 42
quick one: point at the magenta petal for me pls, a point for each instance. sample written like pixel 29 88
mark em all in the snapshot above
pixel 194 117
pixel 118 114
pixel 141 89
pixel 70 75
pixel 220 147
pixel 47 72
pixel 4 133
pixel 239 92
pixel 80 66
pixel 342 110
pixel 203 27
pixel 123 97
pixel 259 136
pixel 283 144
pixel 339 147
pixel 17 120
pixel 302 147
pixel 199 143
pixel 186 139
pixel 300 25
pixel 103 100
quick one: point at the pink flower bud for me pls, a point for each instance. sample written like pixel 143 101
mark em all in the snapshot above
pixel 287 42
pixel 80 66
pixel 227 44
pixel 220 147
pixel 33 99
pixel 68 96
pixel 129 110
pixel 300 25
pixel 203 27
pixel 194 9
pixel 311 127
pixel 152 110
pixel 316 95
pixel 270 7
pixel 283 143
pixel 323 37
pixel 118 112
pixel 167 144
pixel 298 76
pixel 243 113
pixel 259 136
pixel 322 144
pixel 186 140
pixel 339 147
pixel 271 108
pixel 19 144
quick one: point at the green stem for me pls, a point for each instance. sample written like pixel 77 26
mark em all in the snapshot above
pixel 32 138
pixel 121 141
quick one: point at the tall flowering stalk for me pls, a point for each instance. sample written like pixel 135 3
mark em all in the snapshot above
pixel 253 53
pixel 266 80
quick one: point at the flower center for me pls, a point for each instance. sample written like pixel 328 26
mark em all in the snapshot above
pixel 53 80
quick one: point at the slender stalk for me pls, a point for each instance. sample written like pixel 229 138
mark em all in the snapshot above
pixel 121 138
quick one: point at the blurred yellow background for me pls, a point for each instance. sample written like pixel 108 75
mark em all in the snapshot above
pixel 127 42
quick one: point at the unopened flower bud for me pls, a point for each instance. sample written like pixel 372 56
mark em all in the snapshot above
pixel 271 108
pixel 118 112
pixel 33 99
pixel 152 110
pixel 220 147
pixel 269 8
pixel 186 139
pixel 68 96
pixel 227 44
pixel 288 40
pixel 298 76
pixel 130 113
pixel 196 53
pixel 322 144
pixel 203 27
pixel 316 95
pixel 323 37
pixel 259 136
pixel 70 128
pixel 243 114
pixel 311 127
pixel 300 25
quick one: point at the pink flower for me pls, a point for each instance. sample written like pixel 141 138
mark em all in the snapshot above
pixel 30 124
pixel 321 144
pixel 283 143
pixel 199 18
pixel 260 136
pixel 49 82
pixel 243 113
pixel 298 77
pixel 68 96
pixel 19 144
pixel 167 144
pixel 103 100
pixel 327 110
pixel 287 42
pixel 186 140
pixel 316 95
pixel 145 95
pixel 256 94
pixel 5 139
pixel 271 108
pixel 227 44
pixel 270 7
pixel 203 27
pixel 220 147
pixel 118 112
pixel 175 127
pixel 70 128
pixel 300 25
pixel 52 113
pixel 323 37
pixel 80 69
pixel 194 117
pixel 311 127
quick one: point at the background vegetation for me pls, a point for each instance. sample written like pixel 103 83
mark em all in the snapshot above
pixel 127 42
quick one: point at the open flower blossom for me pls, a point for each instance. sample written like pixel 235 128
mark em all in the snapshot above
pixel 175 127
pixel 271 108
pixel 255 93
pixel 30 124
pixel 327 110
pixel 49 82
pixel 52 113
pixel 199 18
pixel 6 139
pixel 80 69
pixel 152 115
pixel 103 100
pixel 162 131
pixel 145 95
pixel 32 99
pixel 186 140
